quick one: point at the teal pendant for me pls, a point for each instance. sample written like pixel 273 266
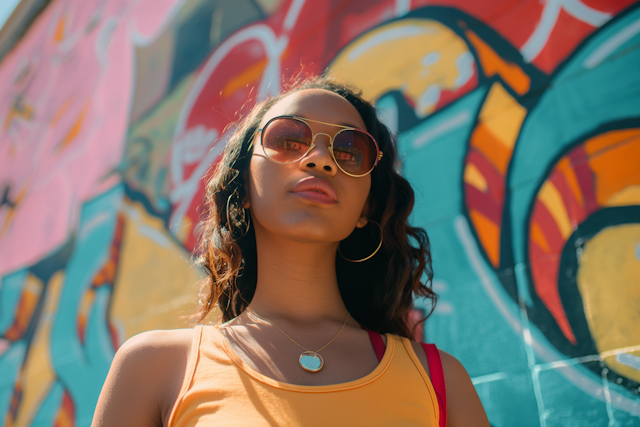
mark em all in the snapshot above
pixel 311 361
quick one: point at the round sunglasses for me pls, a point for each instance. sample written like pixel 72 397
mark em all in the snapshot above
pixel 287 139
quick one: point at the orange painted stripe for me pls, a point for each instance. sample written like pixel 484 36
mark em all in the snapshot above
pixel 66 413
pixel 548 226
pixel 550 197
pixel 24 313
pixel 18 109
pixel 58 35
pixel 616 168
pixel 538 236
pixel 493 64
pixel 575 210
pixel 75 129
pixel 86 305
pixel 606 141
pixel 564 166
pixel 491 147
pixel 63 109
pixel 489 234
pixel 250 75
pixel 107 274
pixel 14 403
pixel 12 211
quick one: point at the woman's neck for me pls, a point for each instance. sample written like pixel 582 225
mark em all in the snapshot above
pixel 297 281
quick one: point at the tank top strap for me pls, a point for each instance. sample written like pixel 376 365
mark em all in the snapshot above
pixel 435 368
pixel 437 378
pixel 376 341
pixel 190 370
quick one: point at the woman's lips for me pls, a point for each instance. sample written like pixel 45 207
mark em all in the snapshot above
pixel 315 190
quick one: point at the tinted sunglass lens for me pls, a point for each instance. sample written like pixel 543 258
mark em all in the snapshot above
pixel 354 151
pixel 286 140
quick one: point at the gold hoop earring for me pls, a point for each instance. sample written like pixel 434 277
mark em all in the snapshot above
pixel 370 256
pixel 243 220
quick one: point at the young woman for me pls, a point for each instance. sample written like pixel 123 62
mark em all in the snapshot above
pixel 314 268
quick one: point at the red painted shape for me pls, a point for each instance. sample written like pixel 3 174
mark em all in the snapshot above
pixel 535 251
pixel 545 278
pixel 552 53
pixel 113 334
pixel 16 399
pixel 483 203
pixel 548 226
pixel 586 180
pixel 66 413
pixel 517 20
pixel 575 209
pixel 495 180
pixel 544 267
pixel 80 328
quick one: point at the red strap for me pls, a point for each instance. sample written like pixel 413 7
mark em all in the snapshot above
pixel 377 342
pixel 437 379
pixel 435 366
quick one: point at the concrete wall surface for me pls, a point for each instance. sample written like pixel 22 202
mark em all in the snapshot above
pixel 518 123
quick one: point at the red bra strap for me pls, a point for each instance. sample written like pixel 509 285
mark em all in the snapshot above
pixel 437 379
pixel 377 342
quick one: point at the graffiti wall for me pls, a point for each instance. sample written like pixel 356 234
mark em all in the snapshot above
pixel 518 124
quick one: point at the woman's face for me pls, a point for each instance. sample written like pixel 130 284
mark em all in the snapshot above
pixel 310 200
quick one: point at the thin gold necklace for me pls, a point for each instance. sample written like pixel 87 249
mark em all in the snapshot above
pixel 310 360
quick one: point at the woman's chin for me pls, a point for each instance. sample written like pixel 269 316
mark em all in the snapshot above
pixel 309 229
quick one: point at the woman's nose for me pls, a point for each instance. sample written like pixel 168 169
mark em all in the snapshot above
pixel 320 156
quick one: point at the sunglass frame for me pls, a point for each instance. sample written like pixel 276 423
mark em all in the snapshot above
pixel 331 139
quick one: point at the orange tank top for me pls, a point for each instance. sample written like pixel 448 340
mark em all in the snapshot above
pixel 221 389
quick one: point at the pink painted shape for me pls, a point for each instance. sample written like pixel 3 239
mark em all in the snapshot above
pixel 90 71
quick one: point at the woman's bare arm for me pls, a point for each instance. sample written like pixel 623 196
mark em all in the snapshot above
pixel 464 408
pixel 144 380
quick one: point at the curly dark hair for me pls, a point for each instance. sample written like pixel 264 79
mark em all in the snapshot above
pixel 378 293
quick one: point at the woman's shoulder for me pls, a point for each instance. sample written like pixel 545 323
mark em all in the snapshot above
pixel 146 354
pixel 158 341
pixel 145 378
pixel 451 366
pixel 157 347
pixel 463 404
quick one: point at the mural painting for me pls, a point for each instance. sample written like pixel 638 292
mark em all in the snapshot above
pixel 518 124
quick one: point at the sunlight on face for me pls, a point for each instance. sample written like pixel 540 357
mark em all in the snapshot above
pixel 275 204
